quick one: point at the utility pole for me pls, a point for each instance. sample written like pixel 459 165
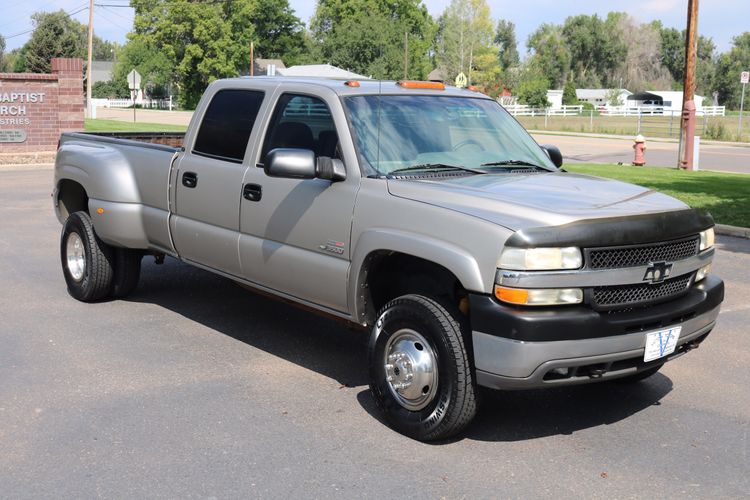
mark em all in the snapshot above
pixel 687 128
pixel 252 59
pixel 88 65
pixel 406 55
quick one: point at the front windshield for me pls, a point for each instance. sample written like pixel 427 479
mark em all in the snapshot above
pixel 394 132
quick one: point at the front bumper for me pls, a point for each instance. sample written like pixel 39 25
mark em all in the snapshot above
pixel 519 348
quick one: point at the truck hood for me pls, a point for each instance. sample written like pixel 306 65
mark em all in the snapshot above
pixel 519 201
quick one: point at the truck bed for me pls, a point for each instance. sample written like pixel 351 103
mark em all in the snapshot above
pixel 173 140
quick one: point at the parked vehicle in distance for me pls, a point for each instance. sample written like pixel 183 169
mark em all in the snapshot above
pixel 423 213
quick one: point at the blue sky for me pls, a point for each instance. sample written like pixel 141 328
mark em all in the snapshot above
pixel 719 19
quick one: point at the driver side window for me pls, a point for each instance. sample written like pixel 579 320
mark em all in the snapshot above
pixel 304 122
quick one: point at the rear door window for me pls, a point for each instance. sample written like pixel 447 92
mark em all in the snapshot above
pixel 227 124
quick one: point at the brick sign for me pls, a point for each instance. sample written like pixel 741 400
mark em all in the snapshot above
pixel 36 108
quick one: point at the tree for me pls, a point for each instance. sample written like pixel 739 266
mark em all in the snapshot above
pixel 3 62
pixel 271 25
pixel 672 55
pixel 113 89
pixel 55 35
pixel 153 66
pixel 465 29
pixel 368 36
pixel 569 93
pixel 551 57
pixel 641 68
pixel 487 75
pixel 728 69
pixel 505 39
pixel 595 47
pixel 613 97
pixel 203 41
pixel 103 50
pixel 533 91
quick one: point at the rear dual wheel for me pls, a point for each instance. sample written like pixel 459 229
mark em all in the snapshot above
pixel 420 374
pixel 92 269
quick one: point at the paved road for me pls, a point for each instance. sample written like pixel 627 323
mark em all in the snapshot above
pixel 578 149
pixel 145 116
pixel 194 387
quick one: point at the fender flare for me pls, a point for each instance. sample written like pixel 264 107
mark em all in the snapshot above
pixel 455 259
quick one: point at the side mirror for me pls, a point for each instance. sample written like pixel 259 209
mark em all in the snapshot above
pixel 296 163
pixel 330 169
pixel 291 163
pixel 554 154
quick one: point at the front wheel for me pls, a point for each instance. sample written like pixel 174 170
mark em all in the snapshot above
pixel 86 260
pixel 420 375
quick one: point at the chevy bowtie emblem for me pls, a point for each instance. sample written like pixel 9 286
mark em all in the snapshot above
pixel 657 272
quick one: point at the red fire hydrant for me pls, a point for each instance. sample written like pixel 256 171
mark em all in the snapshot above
pixel 639 147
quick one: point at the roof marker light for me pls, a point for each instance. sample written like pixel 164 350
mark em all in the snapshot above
pixel 352 83
pixel 416 84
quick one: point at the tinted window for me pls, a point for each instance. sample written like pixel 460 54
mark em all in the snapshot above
pixel 304 122
pixel 227 124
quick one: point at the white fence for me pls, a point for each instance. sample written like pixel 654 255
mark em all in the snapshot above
pixel 526 110
pixel 128 103
pixel 658 111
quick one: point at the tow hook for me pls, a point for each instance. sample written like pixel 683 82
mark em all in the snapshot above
pixel 597 372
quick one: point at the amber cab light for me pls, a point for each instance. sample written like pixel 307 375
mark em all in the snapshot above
pixel 416 84
pixel 352 83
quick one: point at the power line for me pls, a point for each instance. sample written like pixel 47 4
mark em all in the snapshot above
pixel 67 14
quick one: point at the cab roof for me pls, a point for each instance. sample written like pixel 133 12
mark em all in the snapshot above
pixel 366 86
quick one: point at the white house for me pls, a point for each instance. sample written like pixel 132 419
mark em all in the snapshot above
pixel 598 97
pixel 670 100
pixel 319 71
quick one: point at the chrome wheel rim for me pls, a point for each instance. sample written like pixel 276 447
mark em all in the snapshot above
pixel 411 369
pixel 75 256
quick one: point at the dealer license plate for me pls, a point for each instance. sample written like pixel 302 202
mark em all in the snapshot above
pixel 661 343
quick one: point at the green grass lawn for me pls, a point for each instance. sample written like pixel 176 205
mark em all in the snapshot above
pixel 725 196
pixel 118 126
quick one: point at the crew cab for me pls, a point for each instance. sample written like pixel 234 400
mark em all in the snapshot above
pixel 423 213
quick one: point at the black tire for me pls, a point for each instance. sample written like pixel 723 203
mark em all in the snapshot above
pixel 642 375
pixel 127 271
pixel 94 277
pixel 453 405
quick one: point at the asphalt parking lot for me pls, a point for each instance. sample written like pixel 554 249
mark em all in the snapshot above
pixel 195 387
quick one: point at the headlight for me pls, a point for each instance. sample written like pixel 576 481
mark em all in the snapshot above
pixel 539 296
pixel 540 259
pixel 707 239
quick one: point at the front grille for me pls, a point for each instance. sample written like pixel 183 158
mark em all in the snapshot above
pixel 612 297
pixel 642 255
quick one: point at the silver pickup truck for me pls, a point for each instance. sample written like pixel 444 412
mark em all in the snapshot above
pixel 423 213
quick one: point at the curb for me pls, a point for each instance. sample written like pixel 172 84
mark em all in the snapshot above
pixel 737 232
pixel 26 166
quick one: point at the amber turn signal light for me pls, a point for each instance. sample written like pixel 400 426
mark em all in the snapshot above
pixel 416 84
pixel 512 295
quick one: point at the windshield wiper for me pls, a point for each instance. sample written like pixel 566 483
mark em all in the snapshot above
pixel 513 163
pixel 427 166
